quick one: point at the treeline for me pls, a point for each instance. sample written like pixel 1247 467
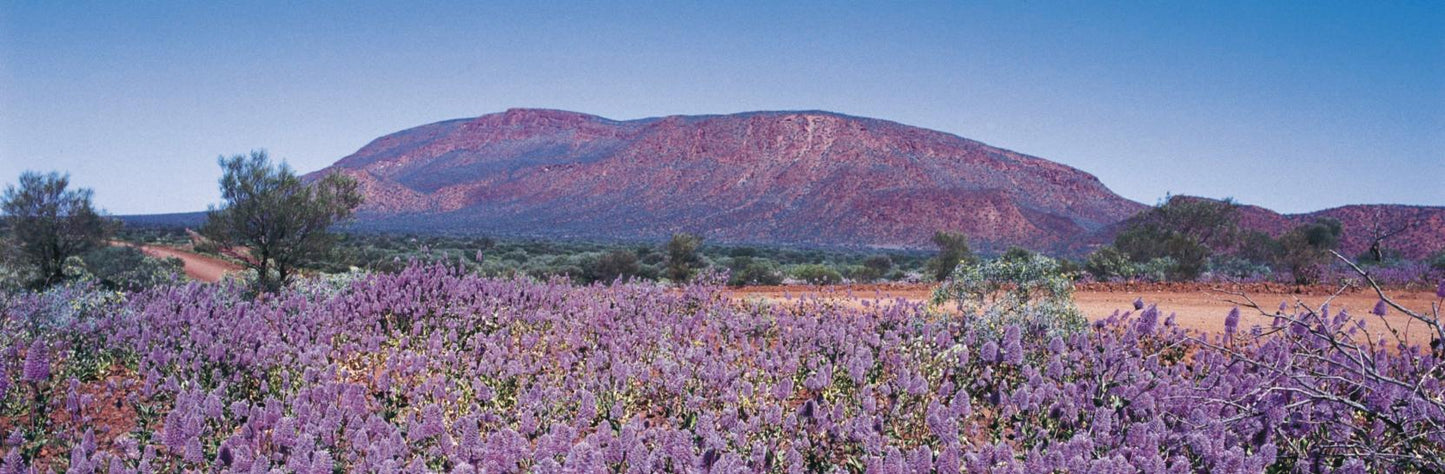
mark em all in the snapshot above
pixel 271 221
pixel 52 234
pixel 677 259
pixel 1182 239
pixel 1186 238
pixel 277 227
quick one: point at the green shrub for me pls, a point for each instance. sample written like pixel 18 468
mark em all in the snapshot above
pixel 817 274
pixel 1305 249
pixel 953 250
pixel 1108 263
pixel 1032 293
pixel 683 259
pixel 128 268
pixel 755 272
pixel 1159 269
pixel 617 264
pixel 1152 244
pixel 1236 267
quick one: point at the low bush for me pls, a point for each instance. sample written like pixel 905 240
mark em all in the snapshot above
pixel 815 274
pixel 1028 291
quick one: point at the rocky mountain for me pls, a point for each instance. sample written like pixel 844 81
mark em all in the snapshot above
pixel 797 178
pixel 807 178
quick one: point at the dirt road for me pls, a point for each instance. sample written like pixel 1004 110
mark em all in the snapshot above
pixel 1196 306
pixel 198 267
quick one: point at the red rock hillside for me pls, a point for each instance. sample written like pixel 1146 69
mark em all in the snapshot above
pixel 810 178
pixel 801 178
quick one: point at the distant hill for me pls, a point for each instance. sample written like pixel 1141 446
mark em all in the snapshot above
pixel 801 178
pixel 791 178
pixel 179 219
pixel 1414 231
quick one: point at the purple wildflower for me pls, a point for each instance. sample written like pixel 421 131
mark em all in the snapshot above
pixel 1380 308
pixel 1231 322
pixel 37 363
pixel 1013 346
pixel 1138 303
pixel 1440 290
pixel 989 351
pixel 1148 320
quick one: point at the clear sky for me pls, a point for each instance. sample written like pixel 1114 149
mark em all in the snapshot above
pixel 1295 106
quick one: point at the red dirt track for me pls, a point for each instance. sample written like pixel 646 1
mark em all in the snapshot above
pixel 198 267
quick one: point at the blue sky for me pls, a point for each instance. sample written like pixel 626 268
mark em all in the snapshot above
pixel 1295 106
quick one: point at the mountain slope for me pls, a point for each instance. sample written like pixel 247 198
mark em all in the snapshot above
pixel 766 177
pixel 800 178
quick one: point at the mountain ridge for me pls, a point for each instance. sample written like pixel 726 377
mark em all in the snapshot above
pixel 806 177
pixel 797 177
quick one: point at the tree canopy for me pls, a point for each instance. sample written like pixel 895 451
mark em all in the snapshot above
pixel 952 250
pixel 683 259
pixel 1184 231
pixel 281 220
pixel 50 223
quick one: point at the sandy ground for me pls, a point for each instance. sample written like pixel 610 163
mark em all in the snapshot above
pixel 1196 306
pixel 198 267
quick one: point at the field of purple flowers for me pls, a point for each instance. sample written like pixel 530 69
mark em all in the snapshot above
pixel 430 369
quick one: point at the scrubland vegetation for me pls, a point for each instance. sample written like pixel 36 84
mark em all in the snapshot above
pixel 411 354
pixel 434 368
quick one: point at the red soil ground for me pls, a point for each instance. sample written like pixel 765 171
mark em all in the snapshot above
pixel 1198 306
pixel 198 267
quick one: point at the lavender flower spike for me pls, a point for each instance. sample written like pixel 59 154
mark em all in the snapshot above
pixel 1231 322
pixel 37 363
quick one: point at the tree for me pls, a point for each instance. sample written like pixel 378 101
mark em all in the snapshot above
pixel 683 259
pixel 952 250
pixel 1385 224
pixel 281 220
pixel 1305 248
pixel 874 268
pixel 1184 229
pixel 615 264
pixel 1151 243
pixel 50 223
pixel 1258 247
pixel 750 271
